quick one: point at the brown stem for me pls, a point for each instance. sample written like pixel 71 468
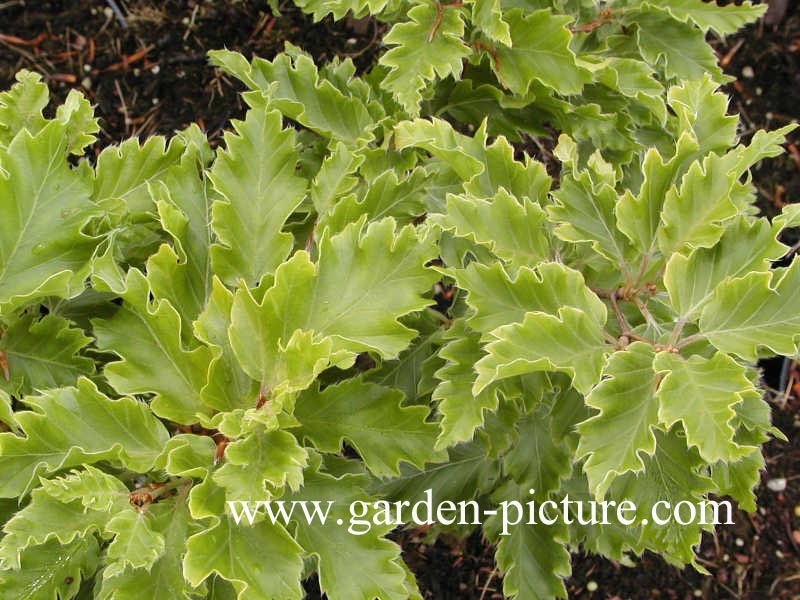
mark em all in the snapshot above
pixel 481 46
pixel 623 324
pixel 153 492
pixel 310 240
pixel 438 18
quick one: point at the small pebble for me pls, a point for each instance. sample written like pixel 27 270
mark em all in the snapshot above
pixel 87 67
pixel 591 586
pixel 777 485
pixel 108 13
pixel 747 72
pixel 698 593
pixel 155 70
pixel 739 542
pixel 86 82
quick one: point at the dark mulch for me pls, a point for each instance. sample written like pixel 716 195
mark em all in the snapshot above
pixel 152 77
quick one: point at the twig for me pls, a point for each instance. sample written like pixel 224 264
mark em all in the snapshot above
pixel 5 5
pixel 118 13
pixel 488 581
pixel 124 107
pixel 726 60
pixel 19 51
pixel 190 26
pixel 4 365
pixel 623 324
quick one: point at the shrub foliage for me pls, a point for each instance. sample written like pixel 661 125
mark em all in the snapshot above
pixel 376 263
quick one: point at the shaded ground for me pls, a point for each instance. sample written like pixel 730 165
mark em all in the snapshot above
pixel 151 77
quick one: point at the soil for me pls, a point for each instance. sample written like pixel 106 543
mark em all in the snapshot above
pixel 149 75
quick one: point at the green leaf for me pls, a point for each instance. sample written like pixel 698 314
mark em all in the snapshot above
pixel 6 412
pixel 282 359
pixel 21 107
pixel 360 316
pixel 499 300
pixel 136 545
pixel 755 312
pixel 462 412
pixel 722 19
pixel 639 216
pixel 412 372
pixel 183 275
pixel 571 342
pixel 513 230
pixel 670 475
pixel 255 175
pixel 533 557
pixel 46 518
pixel 738 479
pixel 539 51
pixel 537 461
pixel 94 489
pixel 370 417
pixel 693 215
pixel 294 86
pixel 165 577
pixel 745 247
pixel 460 152
pixel 524 179
pixel 584 212
pixel 51 570
pixel 124 172
pixel 487 15
pixel 466 474
pixel 76 425
pixel 228 387
pixel 702 109
pixel 386 196
pixel 44 205
pixel 77 116
pixel 379 574
pixel 335 177
pixel 681 46
pixel 261 561
pixel 147 337
pixel 43 353
pixel 426 47
pixel 617 438
pixel 700 393
pixel 273 458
